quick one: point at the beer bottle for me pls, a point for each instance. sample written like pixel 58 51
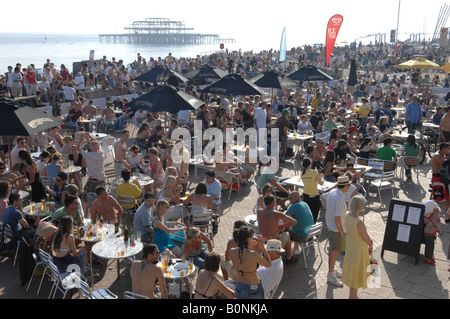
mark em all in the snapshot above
pixel 116 226
pixel 125 233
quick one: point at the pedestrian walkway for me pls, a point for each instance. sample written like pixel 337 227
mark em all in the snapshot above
pixel 399 277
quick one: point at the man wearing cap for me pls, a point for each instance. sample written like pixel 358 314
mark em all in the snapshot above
pixel 269 226
pixel 271 276
pixel 282 125
pixel 144 216
pixel 334 218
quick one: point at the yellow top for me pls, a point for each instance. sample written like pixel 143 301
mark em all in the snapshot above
pixel 364 110
pixel 310 182
pixel 128 189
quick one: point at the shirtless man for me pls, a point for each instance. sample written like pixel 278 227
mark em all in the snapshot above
pixel 120 153
pixel 90 109
pixel 269 227
pixel 444 126
pixel 105 205
pixel 57 138
pixel 145 274
pixel 436 164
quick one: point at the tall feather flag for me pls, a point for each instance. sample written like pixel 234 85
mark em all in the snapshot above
pixel 333 27
pixel 283 46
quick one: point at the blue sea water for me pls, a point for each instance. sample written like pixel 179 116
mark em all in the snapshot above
pixel 36 48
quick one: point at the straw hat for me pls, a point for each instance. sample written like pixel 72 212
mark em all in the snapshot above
pixel 274 245
pixel 343 180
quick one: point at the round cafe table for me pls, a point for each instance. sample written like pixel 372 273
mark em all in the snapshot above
pixel 178 270
pixel 98 136
pixel 113 247
pixel 37 212
pixel 73 169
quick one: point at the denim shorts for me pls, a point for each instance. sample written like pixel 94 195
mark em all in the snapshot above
pixel 244 291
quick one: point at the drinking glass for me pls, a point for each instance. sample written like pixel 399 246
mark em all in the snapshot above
pixel 138 237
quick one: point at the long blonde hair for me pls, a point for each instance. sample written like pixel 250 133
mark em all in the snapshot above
pixel 167 172
pixel 160 205
pixel 192 233
pixel 169 181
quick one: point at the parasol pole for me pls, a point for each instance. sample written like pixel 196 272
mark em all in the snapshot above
pixel 9 151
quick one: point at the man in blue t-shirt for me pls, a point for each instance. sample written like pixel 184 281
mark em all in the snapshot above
pixel 301 212
pixel 14 218
pixel 214 188
pixel 413 114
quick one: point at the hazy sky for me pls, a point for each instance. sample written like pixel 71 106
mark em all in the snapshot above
pixel 245 20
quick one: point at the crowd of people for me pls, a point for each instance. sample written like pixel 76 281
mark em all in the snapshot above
pixel 345 122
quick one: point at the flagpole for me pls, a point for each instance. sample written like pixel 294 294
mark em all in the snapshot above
pixel 398 20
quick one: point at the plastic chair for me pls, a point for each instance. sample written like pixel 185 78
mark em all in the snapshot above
pixel 41 260
pixel 48 181
pixel 386 181
pixel 311 239
pixel 132 295
pixel 6 236
pixel 107 145
pixel 203 219
pixel 126 201
pixel 64 282
pixel 413 162
pixel 233 185
pixel 376 172
pixel 102 293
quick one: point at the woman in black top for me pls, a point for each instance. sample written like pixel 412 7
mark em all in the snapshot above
pixel 208 286
pixel 32 174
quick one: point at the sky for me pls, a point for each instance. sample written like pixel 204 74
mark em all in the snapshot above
pixel 248 21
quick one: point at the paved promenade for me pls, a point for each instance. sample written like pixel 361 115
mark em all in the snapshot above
pixel 400 277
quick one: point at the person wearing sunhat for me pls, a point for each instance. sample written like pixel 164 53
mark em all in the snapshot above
pixel 282 125
pixel 334 218
pixel 271 276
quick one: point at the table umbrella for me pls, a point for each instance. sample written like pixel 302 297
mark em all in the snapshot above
pixel 160 73
pixel 352 77
pixel 165 98
pixel 274 80
pixel 418 63
pixel 206 72
pixel 233 84
pixel 309 73
pixel 19 119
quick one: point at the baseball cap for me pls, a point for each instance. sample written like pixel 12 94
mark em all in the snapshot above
pixel 430 206
pixel 352 128
pixel 285 111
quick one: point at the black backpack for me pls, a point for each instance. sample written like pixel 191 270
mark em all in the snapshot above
pixel 445 172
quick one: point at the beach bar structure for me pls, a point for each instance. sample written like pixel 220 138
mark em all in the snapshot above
pixel 162 31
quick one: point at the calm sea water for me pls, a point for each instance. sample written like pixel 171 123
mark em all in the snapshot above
pixel 36 48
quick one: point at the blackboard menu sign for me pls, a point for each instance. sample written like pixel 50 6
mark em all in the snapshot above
pixel 404 228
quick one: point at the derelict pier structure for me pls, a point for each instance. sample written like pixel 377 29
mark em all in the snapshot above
pixel 162 31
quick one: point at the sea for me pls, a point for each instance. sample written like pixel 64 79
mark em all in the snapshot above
pixel 36 48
